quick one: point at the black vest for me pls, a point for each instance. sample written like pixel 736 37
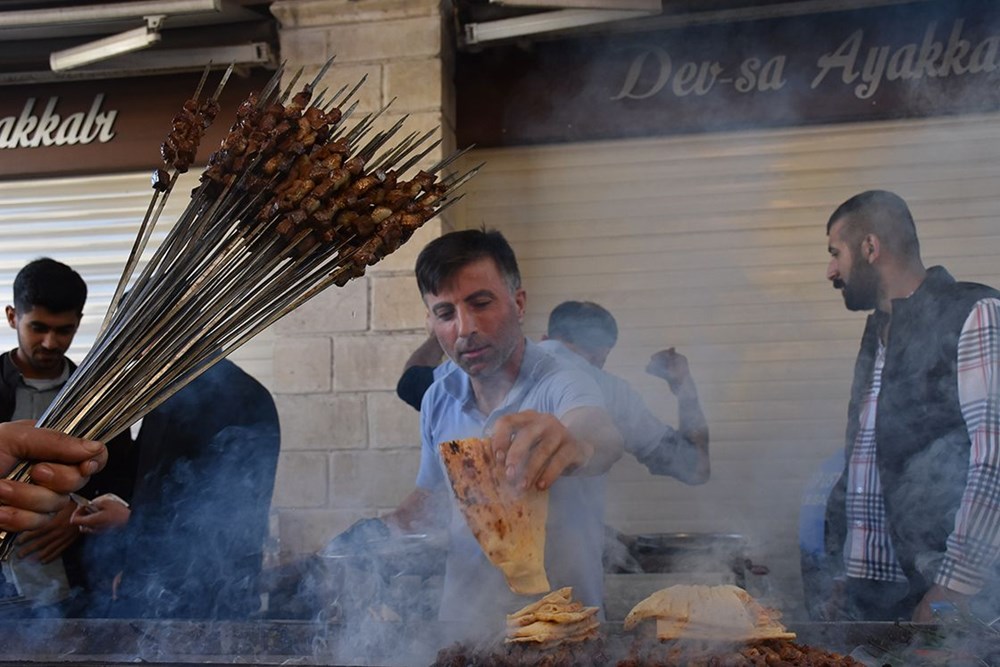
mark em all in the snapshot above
pixel 922 444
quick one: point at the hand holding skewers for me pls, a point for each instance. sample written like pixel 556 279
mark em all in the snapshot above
pixel 62 464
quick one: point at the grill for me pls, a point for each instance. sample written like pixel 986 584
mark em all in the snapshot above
pixel 125 642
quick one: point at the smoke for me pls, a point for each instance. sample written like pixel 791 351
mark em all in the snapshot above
pixel 193 545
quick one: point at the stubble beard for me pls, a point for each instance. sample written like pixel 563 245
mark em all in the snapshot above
pixel 861 293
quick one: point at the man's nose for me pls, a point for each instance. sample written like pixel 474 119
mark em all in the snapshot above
pixel 51 341
pixel 831 270
pixel 466 322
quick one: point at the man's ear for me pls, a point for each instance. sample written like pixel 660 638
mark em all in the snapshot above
pixel 870 248
pixel 11 317
pixel 521 299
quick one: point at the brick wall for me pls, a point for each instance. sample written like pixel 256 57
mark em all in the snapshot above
pixel 350 448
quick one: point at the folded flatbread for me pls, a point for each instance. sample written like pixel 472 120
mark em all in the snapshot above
pixel 509 525
pixel 542 632
pixel 553 620
pixel 725 613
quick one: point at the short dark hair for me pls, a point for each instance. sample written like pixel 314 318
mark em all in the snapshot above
pixel 583 323
pixel 443 257
pixel 883 214
pixel 50 284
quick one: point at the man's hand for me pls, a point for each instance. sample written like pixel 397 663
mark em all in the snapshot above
pixel 937 593
pixel 47 543
pixel 692 466
pixel 535 449
pixel 671 366
pixel 67 463
pixel 104 514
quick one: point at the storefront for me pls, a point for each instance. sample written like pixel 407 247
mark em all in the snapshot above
pixel 683 177
pixel 75 172
pixel 680 175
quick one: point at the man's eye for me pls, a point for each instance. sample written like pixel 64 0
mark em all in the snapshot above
pixel 481 304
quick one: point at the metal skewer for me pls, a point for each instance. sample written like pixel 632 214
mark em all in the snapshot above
pixel 224 273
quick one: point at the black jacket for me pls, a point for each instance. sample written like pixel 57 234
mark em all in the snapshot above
pixel 193 546
pixel 921 440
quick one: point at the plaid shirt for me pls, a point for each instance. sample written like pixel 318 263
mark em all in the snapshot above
pixel 975 542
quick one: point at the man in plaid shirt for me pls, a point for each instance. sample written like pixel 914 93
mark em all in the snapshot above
pixel 915 517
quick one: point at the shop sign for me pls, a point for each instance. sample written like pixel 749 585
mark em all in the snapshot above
pixel 104 126
pixel 914 59
pixel 49 128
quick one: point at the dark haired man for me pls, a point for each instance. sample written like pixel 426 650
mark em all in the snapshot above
pixel 915 517
pixel 586 328
pixel 544 420
pixel 48 306
pixel 583 333
pixel 586 331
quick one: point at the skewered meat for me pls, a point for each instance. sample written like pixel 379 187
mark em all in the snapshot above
pixel 228 270
pixel 181 145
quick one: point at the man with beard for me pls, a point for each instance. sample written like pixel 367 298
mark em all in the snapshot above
pixel 49 296
pixel 544 419
pixel 914 520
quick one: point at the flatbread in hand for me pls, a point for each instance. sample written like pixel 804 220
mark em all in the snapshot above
pixel 509 525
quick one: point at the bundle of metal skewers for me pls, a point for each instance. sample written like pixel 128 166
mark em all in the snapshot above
pixel 296 199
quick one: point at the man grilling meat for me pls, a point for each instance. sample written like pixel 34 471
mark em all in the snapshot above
pixel 915 517
pixel 545 418
pixel 583 333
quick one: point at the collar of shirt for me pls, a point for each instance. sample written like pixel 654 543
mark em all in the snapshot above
pixel 45 384
pixel 459 386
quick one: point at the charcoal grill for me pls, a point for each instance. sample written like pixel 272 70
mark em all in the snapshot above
pixel 125 642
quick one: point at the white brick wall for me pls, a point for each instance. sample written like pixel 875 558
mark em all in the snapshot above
pixel 322 422
pixel 350 448
pixel 392 423
pixel 302 365
pixel 396 303
pixel 371 362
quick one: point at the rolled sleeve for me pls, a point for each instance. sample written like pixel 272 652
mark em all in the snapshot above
pixel 975 542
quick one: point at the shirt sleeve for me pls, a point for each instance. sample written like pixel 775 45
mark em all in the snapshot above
pixel 975 542
pixel 654 444
pixel 569 389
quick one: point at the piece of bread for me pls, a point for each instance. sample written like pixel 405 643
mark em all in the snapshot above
pixel 708 612
pixel 553 620
pixel 508 524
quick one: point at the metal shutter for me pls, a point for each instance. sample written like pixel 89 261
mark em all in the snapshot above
pixel 716 243
pixel 90 224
